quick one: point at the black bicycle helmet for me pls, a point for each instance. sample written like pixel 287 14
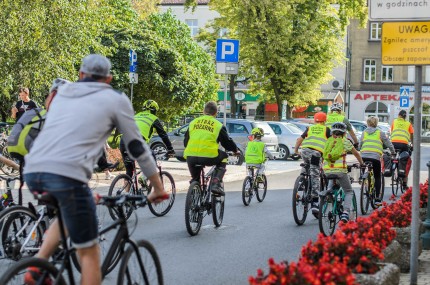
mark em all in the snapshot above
pixel 338 127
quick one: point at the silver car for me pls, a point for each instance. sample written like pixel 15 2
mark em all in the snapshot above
pixel 287 134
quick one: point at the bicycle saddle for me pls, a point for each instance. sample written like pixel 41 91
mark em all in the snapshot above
pixel 46 198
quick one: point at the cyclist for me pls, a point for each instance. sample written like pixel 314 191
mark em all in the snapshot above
pixel 313 141
pixel 402 134
pixel 372 143
pixel 334 155
pixel 336 116
pixel 147 122
pixel 61 160
pixel 201 146
pixel 256 151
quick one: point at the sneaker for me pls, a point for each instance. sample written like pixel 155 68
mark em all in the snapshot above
pixel 378 203
pixel 315 209
pixel 344 217
pixel 109 176
pixel 33 274
pixel 217 189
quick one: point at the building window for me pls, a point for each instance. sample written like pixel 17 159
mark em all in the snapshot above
pixel 411 73
pixel 193 24
pixel 387 74
pixel 369 70
pixel 377 109
pixel 427 78
pixel 375 31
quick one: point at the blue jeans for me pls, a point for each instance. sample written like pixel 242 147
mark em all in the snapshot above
pixel 76 205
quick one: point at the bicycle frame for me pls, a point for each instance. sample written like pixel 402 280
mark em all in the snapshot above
pixel 205 181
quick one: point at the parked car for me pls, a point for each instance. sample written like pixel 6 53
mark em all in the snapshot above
pixel 238 129
pixel 360 126
pixel 287 136
pixel 301 125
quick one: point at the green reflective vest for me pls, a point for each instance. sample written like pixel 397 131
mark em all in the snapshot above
pixel 316 138
pixel 372 142
pixel 400 131
pixel 144 121
pixel 204 132
pixel 334 118
pixel 254 153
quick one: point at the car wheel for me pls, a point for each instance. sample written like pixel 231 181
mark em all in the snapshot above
pixel 181 158
pixel 236 160
pixel 284 153
pixel 160 148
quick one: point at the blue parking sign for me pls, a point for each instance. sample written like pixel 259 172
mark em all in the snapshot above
pixel 227 50
pixel 133 61
pixel 404 101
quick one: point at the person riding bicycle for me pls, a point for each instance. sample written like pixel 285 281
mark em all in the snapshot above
pixel 147 122
pixel 372 143
pixel 256 151
pixel 402 135
pixel 313 141
pixel 201 142
pixel 336 116
pixel 334 155
pixel 61 161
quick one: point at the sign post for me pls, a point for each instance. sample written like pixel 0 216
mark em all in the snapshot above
pixel 227 62
pixel 132 72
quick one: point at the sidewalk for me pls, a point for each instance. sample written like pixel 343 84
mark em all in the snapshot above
pixel 423 270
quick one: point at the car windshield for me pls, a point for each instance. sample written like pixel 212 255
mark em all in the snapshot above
pixel 265 126
pixel 294 129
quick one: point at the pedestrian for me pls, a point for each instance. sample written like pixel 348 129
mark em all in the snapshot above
pixel 81 118
pixel 23 105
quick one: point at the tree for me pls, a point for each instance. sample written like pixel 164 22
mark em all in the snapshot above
pixel 291 46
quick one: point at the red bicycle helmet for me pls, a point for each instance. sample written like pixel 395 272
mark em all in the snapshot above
pixel 320 117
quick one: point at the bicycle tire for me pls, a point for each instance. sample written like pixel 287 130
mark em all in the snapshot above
pixel 327 215
pixel 134 267
pixel 247 190
pixel 395 182
pixel 354 212
pixel 13 220
pixel 261 192
pixel 365 198
pixel 164 207
pixel 193 208
pixel 15 273
pixel 300 205
pixel 382 191
pixel 217 209
pixel 118 187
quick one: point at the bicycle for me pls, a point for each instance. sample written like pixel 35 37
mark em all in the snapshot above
pixel 148 272
pixel 396 179
pixel 7 196
pixel 331 206
pixel 4 129
pixel 253 184
pixel 367 190
pixel 200 201
pixel 125 184
pixel 302 194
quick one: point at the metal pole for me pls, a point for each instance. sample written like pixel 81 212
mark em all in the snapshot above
pixel 131 93
pixel 416 178
pixel 426 236
pixel 225 100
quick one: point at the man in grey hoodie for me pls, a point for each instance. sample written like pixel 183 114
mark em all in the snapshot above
pixel 372 143
pixel 61 161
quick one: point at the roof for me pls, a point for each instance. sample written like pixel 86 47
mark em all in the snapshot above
pixel 331 95
pixel 182 2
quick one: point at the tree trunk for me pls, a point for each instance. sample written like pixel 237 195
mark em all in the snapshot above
pixel 277 92
pixel 233 102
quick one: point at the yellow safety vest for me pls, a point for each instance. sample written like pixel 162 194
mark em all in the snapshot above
pixel 204 132
pixel 400 131
pixel 337 166
pixel 316 138
pixel 334 118
pixel 144 121
pixel 372 142
pixel 254 153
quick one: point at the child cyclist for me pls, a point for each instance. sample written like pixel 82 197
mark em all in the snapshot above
pixel 334 155
pixel 256 151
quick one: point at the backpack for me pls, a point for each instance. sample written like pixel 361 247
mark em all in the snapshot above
pixel 333 149
pixel 24 132
pixel 404 164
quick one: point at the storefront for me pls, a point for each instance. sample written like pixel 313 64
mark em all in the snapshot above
pixel 386 106
pixel 246 104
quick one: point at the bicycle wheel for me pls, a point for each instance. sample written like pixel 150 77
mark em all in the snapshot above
pixel 217 209
pixel 382 191
pixel 16 273
pixel 365 196
pixel 119 186
pixel 18 223
pixel 300 204
pixel 247 191
pixel 164 207
pixel 194 209
pixel 94 181
pixel 395 182
pixel 327 215
pixel 262 189
pixel 140 267
pixel 354 211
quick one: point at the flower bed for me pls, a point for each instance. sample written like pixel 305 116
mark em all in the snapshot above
pixel 356 247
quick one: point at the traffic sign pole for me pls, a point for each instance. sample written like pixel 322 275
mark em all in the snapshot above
pixel 225 100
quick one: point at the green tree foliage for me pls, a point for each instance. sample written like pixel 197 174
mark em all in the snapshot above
pixel 289 47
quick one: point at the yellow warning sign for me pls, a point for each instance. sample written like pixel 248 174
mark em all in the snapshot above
pixel 406 43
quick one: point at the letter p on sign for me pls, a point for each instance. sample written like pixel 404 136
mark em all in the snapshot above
pixel 227 50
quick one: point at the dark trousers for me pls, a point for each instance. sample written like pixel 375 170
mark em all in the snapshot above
pixel 376 172
pixel 401 146
pixel 192 161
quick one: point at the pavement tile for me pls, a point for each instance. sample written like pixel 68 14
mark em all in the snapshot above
pixel 423 277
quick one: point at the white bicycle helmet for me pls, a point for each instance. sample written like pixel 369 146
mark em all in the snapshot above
pixel 336 107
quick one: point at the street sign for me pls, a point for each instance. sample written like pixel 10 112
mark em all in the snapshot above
pixel 227 68
pixel 400 10
pixel 133 61
pixel 405 43
pixel 404 102
pixel 404 91
pixel 227 50
pixel 133 77
pixel 239 96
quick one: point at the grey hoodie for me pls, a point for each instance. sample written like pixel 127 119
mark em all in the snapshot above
pixel 385 142
pixel 80 120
